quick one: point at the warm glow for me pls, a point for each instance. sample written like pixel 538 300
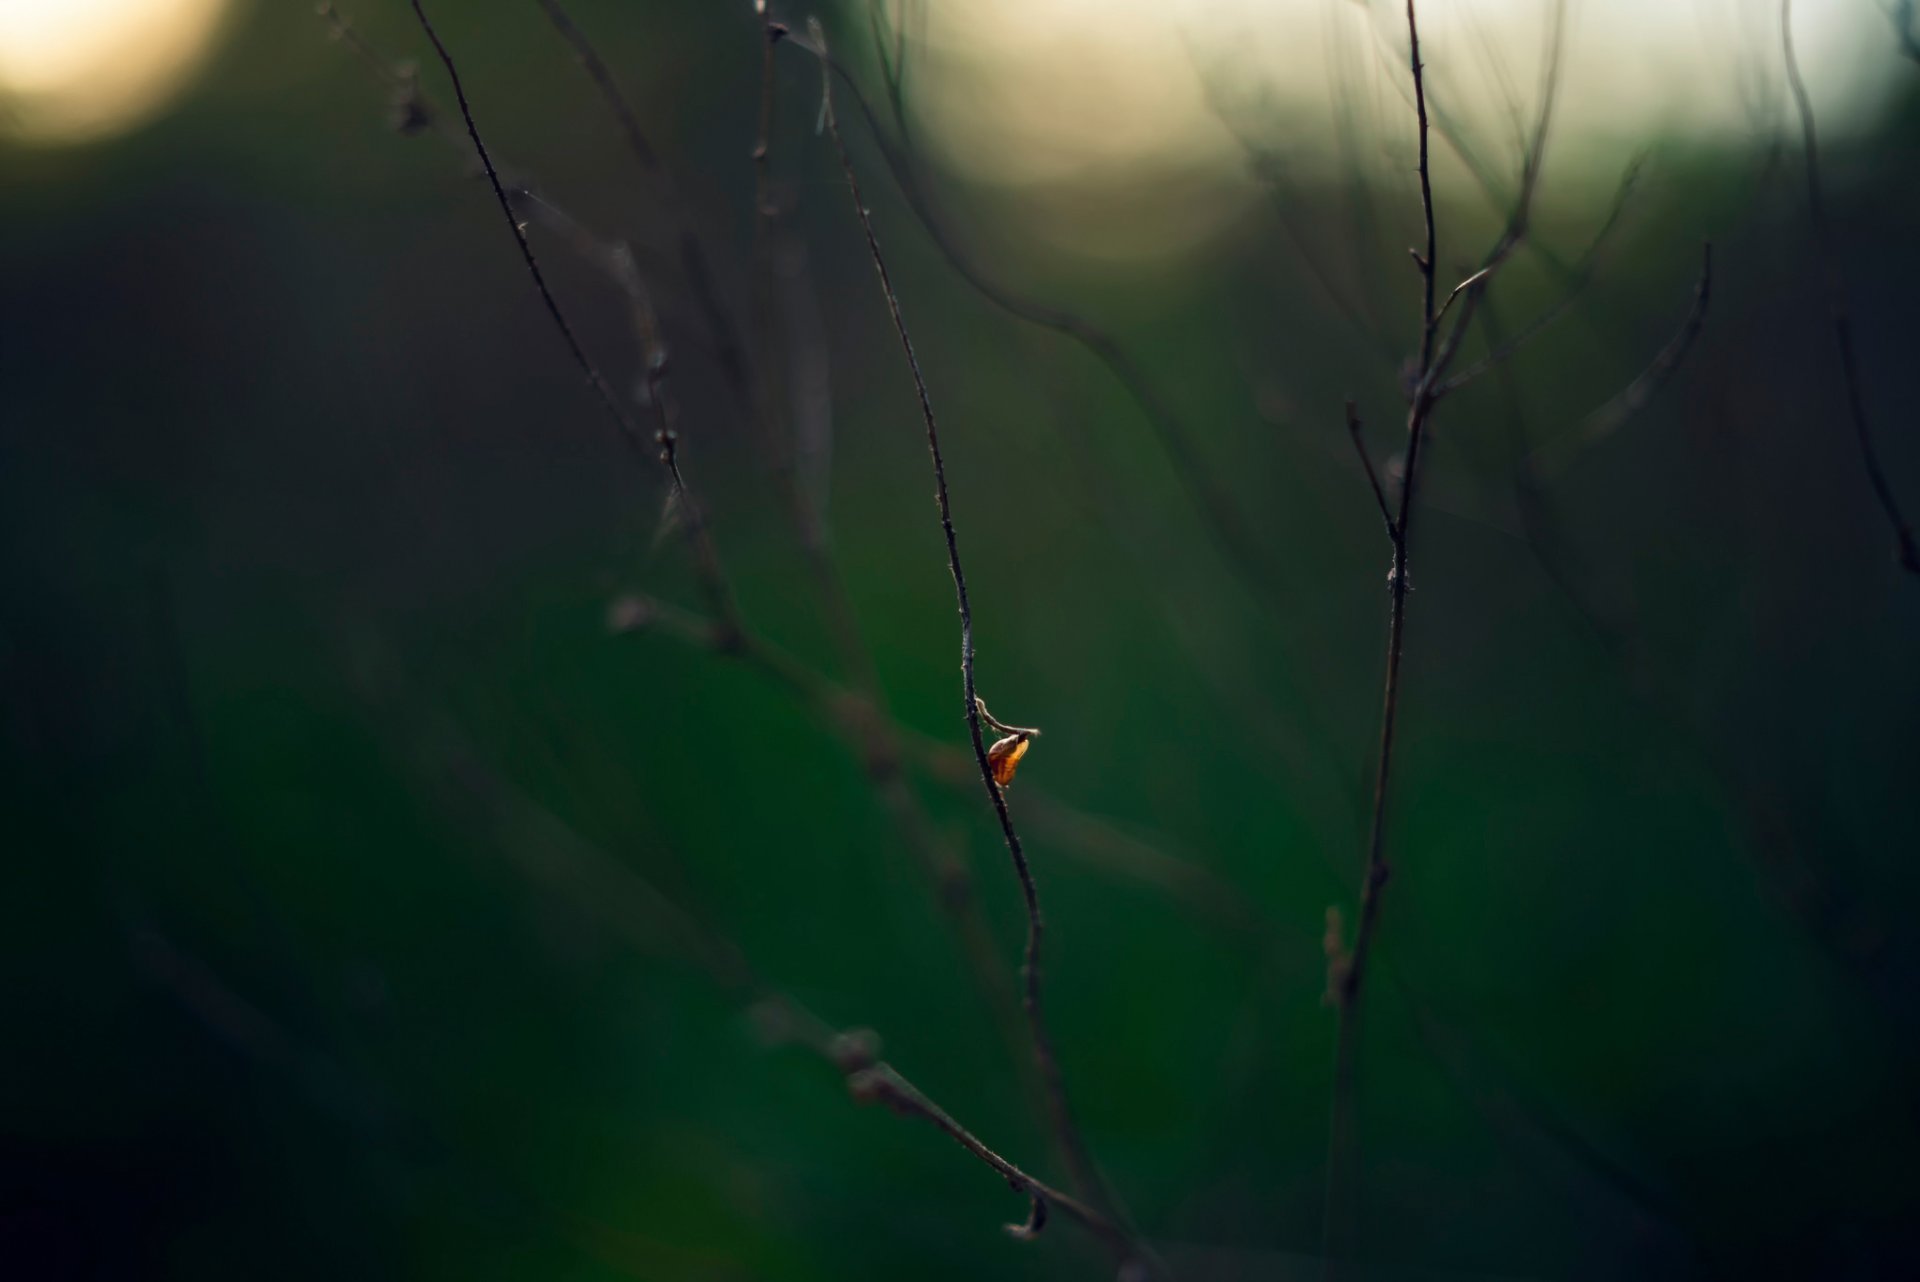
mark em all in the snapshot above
pixel 1055 101
pixel 73 70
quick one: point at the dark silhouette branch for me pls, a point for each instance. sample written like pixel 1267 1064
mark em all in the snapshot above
pixel 1347 972
pixel 873 732
pixel 1428 262
pixel 1356 431
pixel 1907 547
pixel 1247 558
pixel 628 429
pixel 707 566
pixel 1067 1134
pixel 876 737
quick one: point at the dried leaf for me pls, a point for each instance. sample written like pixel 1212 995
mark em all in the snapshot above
pixel 1003 758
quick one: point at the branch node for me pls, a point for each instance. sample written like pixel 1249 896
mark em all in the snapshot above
pixel 854 1050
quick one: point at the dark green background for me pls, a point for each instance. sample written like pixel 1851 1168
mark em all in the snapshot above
pixel 309 535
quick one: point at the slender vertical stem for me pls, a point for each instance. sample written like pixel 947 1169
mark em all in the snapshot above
pixel 1427 265
pixel 1352 975
pixel 1907 546
pixel 1067 1133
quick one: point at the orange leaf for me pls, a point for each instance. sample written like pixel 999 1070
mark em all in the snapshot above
pixel 1003 758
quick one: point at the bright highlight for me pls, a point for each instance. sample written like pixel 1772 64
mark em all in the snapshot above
pixel 78 70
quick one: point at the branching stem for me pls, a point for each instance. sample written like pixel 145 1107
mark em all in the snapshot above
pixel 706 556
pixel 1066 1131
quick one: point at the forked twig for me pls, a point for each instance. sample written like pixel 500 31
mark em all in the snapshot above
pixel 1347 971
pixel 549 851
pixel 1356 431
pixel 706 556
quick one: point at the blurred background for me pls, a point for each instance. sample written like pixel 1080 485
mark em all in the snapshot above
pixel 399 875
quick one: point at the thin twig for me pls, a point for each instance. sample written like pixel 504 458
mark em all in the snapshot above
pixel 706 556
pixel 627 427
pixel 1356 431
pixel 1073 1146
pixel 1248 558
pixel 1464 285
pixel 873 732
pixel 1908 548
pixel 1099 843
pixel 1428 264
pixel 1436 357
pixel 1348 975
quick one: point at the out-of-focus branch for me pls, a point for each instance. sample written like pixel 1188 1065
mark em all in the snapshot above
pixel 548 851
pixel 1634 397
pixel 1905 543
pixel 1245 554
pixel 415 112
pixel 1097 842
pixel 1356 432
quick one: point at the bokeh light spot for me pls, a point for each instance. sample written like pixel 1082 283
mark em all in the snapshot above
pixel 80 70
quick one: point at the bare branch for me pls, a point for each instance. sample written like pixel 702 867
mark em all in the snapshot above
pixel 1469 283
pixel 421 114
pixel 1067 1133
pixel 1356 431
pixel 1098 842
pixel 1436 356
